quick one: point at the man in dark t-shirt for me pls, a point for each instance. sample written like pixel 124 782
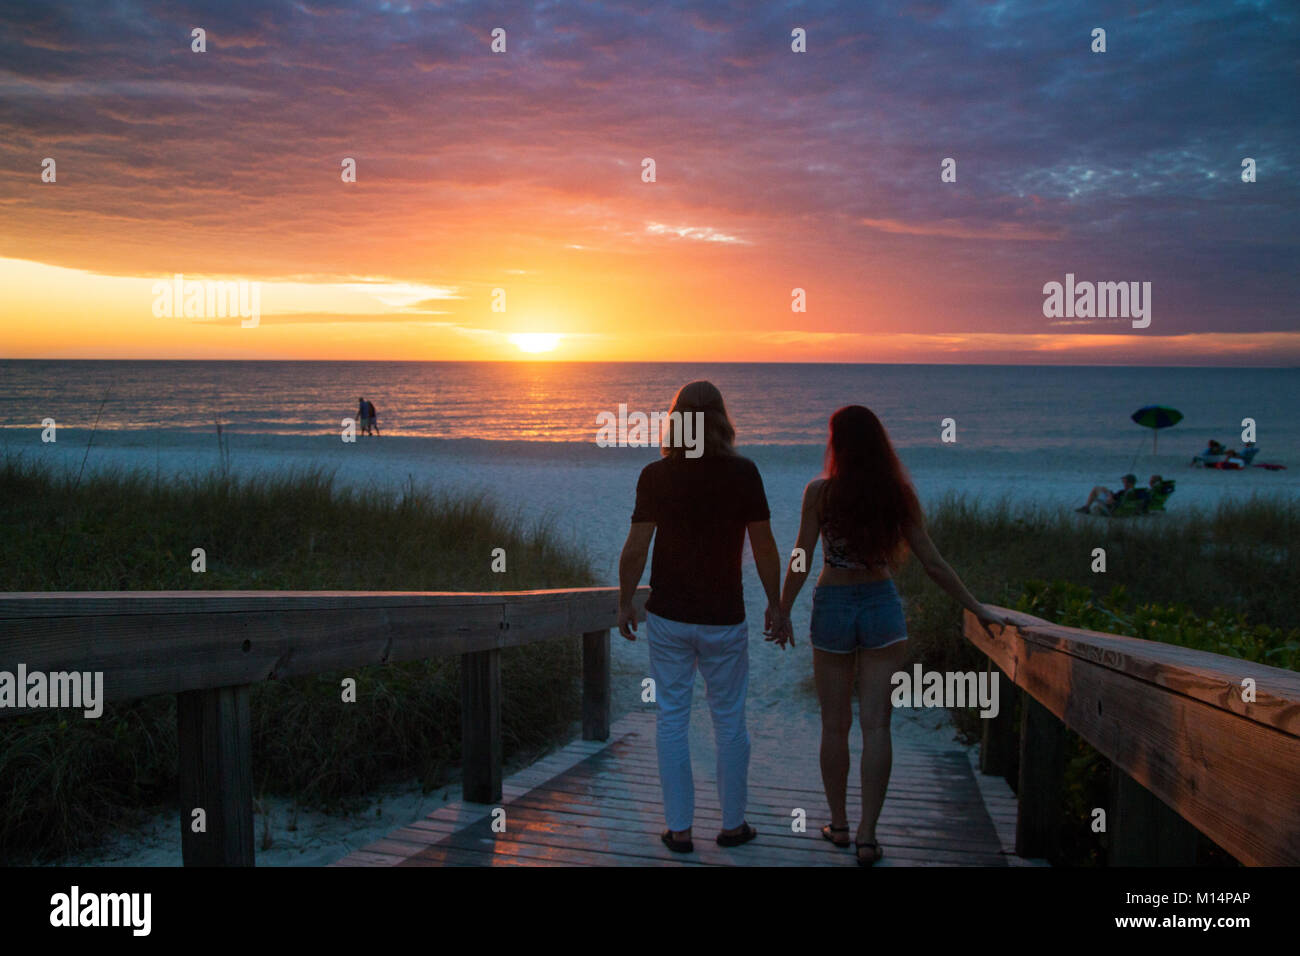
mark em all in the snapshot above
pixel 698 510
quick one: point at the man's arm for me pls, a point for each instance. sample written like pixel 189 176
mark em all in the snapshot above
pixel 631 565
pixel 768 562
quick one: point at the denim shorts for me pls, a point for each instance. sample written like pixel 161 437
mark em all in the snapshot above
pixel 848 616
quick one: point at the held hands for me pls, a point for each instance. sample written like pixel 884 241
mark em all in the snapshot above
pixel 777 626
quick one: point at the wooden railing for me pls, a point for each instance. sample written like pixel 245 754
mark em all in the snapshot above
pixel 207 647
pixel 1192 744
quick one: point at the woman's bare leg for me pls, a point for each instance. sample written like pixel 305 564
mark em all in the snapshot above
pixel 875 670
pixel 833 674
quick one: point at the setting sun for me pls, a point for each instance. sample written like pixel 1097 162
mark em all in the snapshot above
pixel 536 341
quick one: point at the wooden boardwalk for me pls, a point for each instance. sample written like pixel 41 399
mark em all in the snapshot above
pixel 598 804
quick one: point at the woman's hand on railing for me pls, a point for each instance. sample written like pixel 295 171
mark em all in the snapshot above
pixel 626 621
pixel 987 616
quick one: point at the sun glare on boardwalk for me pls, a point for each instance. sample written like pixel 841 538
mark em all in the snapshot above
pixel 534 342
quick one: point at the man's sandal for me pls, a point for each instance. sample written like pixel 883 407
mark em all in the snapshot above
pixel 676 845
pixel 827 830
pixel 736 839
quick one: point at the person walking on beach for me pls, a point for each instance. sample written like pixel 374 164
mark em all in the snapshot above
pixel 366 418
pixel 363 417
pixel 867 515
pixel 698 508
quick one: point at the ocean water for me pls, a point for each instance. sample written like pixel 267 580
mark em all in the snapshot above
pixel 1020 409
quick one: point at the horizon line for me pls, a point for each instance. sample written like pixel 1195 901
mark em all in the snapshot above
pixel 524 361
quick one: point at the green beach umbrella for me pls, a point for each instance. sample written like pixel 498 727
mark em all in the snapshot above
pixel 1157 417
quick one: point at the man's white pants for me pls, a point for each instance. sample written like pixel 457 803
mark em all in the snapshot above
pixel 722 654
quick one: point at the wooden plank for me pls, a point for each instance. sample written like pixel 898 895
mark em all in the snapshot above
pixel 563 831
pixel 1000 735
pixel 595 685
pixel 613 780
pixel 604 809
pixel 29 604
pixel 1234 778
pixel 774 832
pixel 215 769
pixel 1142 830
pixel 148 643
pixel 1003 810
pixel 1042 781
pixel 480 709
pixel 956 823
pixel 1213 679
pixel 958 836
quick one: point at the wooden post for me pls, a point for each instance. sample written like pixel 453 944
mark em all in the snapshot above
pixel 480 717
pixel 1142 830
pixel 999 746
pixel 595 685
pixel 1042 772
pixel 216 776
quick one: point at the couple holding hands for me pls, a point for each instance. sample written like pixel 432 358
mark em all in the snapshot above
pixel 698 511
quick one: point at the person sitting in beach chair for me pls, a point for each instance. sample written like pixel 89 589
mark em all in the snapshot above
pixel 1123 501
pixel 1158 494
pixel 1211 456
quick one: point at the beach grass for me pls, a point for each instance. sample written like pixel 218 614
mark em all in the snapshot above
pixel 65 782
pixel 1224 579
pixel 1237 557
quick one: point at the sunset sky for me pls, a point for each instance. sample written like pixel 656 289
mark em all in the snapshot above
pixel 522 171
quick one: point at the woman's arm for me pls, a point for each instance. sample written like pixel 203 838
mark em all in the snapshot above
pixel 804 546
pixel 943 575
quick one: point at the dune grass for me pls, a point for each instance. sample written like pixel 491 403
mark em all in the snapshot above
pixel 66 781
pixel 1238 557
pixel 1225 580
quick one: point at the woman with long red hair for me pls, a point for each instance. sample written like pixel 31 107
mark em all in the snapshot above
pixel 867 514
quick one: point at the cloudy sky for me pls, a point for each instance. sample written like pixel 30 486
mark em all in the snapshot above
pixel 774 170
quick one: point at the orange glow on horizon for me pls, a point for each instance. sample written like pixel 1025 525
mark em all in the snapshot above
pixel 55 312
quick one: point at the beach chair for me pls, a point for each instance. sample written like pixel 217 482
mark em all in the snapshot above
pixel 1158 496
pixel 1133 503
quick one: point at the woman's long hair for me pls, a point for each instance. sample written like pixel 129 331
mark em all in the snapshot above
pixel 868 499
pixel 719 433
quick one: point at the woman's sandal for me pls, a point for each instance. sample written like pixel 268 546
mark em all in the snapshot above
pixel 677 846
pixel 736 839
pixel 875 857
pixel 827 830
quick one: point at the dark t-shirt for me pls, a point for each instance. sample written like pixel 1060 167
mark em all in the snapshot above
pixel 700 507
